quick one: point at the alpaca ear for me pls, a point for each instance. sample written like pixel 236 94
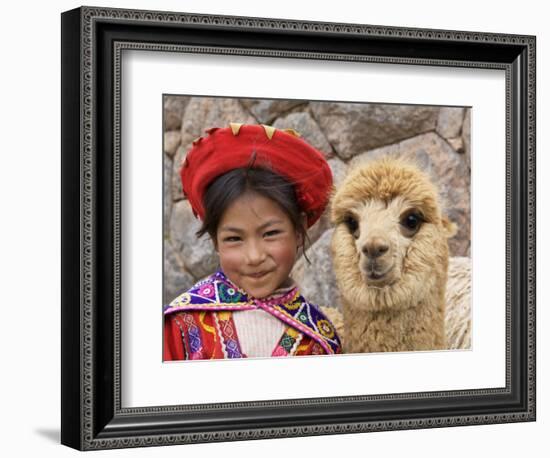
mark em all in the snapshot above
pixel 449 227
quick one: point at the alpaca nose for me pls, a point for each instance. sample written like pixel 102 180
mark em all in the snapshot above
pixel 375 247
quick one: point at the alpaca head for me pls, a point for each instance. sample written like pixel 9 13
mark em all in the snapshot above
pixel 390 236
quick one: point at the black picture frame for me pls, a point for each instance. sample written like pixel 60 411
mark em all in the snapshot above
pixel 92 416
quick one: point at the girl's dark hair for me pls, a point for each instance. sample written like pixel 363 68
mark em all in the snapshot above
pixel 227 188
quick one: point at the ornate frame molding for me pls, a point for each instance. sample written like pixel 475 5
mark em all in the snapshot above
pixel 95 407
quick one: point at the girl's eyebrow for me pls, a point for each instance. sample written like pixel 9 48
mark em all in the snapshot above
pixel 240 231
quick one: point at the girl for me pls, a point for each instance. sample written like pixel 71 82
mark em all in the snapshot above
pixel 256 190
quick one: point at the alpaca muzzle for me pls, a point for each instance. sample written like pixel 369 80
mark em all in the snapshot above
pixel 378 272
pixel 375 247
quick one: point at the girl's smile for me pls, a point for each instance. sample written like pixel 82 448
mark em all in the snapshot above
pixel 258 275
pixel 257 244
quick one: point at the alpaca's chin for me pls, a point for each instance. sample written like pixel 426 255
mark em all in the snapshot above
pixel 378 278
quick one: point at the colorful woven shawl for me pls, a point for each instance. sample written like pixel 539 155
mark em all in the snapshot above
pixel 218 293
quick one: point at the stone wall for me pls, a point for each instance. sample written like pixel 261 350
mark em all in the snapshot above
pixel 437 138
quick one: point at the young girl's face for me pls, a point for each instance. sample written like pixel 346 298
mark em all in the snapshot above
pixel 257 244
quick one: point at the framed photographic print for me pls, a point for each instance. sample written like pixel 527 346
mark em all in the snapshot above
pixel 403 281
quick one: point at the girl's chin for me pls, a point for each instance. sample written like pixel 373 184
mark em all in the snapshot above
pixel 259 293
pixel 262 285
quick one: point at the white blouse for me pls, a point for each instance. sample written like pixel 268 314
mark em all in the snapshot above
pixel 258 331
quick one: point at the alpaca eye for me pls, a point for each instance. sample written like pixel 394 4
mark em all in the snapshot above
pixel 411 223
pixel 352 224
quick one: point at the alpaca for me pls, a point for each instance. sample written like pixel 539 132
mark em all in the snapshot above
pixel 457 300
pixel 390 257
pixel 457 307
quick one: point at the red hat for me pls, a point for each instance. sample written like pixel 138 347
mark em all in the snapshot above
pixel 281 151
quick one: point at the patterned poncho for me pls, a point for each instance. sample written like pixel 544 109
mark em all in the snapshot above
pixel 199 323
